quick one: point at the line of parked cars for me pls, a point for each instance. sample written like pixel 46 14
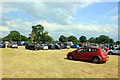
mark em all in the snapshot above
pixel 38 46
pixel 109 48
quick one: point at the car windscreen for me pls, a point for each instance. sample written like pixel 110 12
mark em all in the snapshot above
pixel 103 50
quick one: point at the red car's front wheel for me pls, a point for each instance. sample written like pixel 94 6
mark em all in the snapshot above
pixel 96 60
pixel 70 57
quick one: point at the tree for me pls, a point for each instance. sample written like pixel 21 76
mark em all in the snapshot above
pixel 73 39
pixel 83 39
pixel 40 34
pixel 97 40
pixel 118 42
pixel 63 38
pixel 46 37
pixel 111 40
pixel 37 33
pixel 103 39
pixel 12 36
pixel 92 40
pixel 24 38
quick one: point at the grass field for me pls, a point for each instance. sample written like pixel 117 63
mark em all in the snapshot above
pixel 22 63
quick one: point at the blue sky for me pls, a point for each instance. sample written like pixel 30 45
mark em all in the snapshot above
pixel 90 19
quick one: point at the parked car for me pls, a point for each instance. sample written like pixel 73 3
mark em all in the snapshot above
pixel 64 46
pixel 111 46
pixel 96 55
pixel 20 43
pixel 33 46
pixel 106 48
pixel 2 44
pixel 55 46
pixel 75 46
pixel 49 46
pixel 12 45
pixel 44 46
pixel 115 51
pixel 94 45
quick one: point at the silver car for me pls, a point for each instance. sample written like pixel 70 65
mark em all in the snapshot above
pixel 115 51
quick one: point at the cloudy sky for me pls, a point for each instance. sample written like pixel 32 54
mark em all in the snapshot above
pixel 90 19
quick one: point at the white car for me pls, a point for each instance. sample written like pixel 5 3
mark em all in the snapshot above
pixel 44 46
pixel 12 45
pixel 115 51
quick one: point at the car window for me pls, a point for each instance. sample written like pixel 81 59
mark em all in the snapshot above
pixel 83 50
pixel 117 48
pixel 103 50
pixel 93 50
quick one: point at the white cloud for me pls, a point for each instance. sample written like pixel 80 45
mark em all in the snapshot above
pixel 56 29
pixel 3 28
pixel 61 12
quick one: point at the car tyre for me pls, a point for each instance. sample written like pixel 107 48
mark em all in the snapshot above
pixel 70 57
pixel 104 62
pixel 110 53
pixel 96 60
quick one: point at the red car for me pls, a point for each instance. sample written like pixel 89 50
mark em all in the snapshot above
pixel 96 55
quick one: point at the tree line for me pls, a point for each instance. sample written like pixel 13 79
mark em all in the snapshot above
pixel 38 34
pixel 83 39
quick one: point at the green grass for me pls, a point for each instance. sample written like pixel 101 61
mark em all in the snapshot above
pixel 22 63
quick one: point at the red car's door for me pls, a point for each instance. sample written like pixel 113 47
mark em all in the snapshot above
pixel 82 54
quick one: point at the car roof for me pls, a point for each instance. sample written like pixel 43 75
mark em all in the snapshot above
pixel 91 47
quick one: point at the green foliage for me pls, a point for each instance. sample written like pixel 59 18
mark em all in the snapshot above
pixel 91 40
pixel 111 40
pixel 38 34
pixel 46 37
pixel 118 42
pixel 63 38
pixel 104 39
pixel 12 36
pixel 73 39
pixel 83 39
pixel 24 38
pixel 96 40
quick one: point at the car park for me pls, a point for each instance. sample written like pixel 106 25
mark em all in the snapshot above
pixel 12 45
pixel 2 44
pixel 96 55
pixel 115 51
pixel 33 46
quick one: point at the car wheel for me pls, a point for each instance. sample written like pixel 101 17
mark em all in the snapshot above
pixel 110 53
pixel 96 60
pixel 104 62
pixel 35 49
pixel 70 57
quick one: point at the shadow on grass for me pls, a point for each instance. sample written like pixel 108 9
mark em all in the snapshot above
pixel 83 61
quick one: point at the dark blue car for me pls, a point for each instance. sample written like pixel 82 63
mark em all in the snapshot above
pixel 75 46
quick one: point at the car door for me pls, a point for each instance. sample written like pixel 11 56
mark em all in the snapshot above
pixel 91 53
pixel 117 50
pixel 81 54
